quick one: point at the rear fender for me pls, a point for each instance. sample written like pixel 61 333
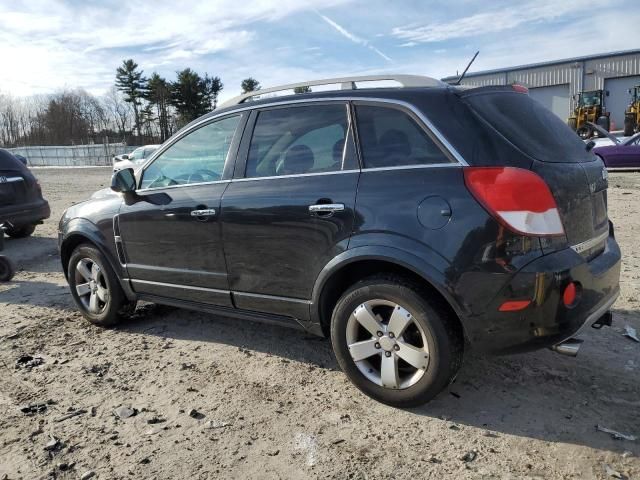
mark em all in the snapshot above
pixel 402 258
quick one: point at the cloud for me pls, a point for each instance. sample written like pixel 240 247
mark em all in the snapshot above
pixel 47 45
pixel 354 38
pixel 52 44
pixel 494 21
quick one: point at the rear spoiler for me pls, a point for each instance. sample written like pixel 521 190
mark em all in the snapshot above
pixel 466 90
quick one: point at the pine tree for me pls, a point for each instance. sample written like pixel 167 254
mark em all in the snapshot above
pixel 249 85
pixel 129 80
pixel 189 95
pixel 158 94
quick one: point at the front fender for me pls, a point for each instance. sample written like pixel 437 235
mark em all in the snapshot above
pixel 81 230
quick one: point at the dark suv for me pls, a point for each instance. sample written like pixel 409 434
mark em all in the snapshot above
pixel 21 204
pixel 408 224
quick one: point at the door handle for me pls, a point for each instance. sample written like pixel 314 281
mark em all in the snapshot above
pixel 326 208
pixel 209 212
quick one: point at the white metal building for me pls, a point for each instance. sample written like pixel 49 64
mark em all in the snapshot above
pixel 555 83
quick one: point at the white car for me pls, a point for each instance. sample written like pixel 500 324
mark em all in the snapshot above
pixel 133 159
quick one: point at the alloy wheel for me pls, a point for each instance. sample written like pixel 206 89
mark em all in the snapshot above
pixel 91 286
pixel 387 344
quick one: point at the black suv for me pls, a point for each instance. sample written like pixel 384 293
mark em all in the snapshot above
pixel 407 224
pixel 21 204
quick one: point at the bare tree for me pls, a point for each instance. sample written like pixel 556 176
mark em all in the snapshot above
pixel 119 111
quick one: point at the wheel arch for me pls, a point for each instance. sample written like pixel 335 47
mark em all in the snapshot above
pixel 86 232
pixel 362 262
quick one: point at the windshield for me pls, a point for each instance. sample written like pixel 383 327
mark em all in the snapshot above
pixel 137 154
pixel 590 99
pixel 635 140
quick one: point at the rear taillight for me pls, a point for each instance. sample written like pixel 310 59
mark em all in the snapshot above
pixel 520 88
pixel 517 198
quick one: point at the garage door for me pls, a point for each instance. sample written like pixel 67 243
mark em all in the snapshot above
pixel 555 98
pixel 619 98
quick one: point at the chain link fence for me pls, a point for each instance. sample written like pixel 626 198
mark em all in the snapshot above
pixel 73 155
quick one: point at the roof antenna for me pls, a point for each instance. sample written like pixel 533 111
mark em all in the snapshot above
pixel 465 70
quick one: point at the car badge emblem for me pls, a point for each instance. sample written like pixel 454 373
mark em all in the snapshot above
pixel 605 174
pixel 3 179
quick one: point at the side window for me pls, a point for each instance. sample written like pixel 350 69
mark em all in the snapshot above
pixel 198 157
pixel 295 140
pixel 390 137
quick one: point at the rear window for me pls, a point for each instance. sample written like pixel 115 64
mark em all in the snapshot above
pixel 9 162
pixel 528 125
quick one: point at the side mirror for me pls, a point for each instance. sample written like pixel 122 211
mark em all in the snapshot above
pixel 124 156
pixel 606 93
pixel 123 181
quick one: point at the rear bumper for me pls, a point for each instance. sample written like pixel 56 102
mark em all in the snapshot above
pixel 547 321
pixel 25 213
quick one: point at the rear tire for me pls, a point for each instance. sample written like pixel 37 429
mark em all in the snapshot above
pixel 7 269
pixel 629 126
pixel 424 356
pixel 95 287
pixel 604 122
pixel 22 231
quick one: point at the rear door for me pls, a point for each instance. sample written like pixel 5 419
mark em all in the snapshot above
pixel 290 207
pixel 171 233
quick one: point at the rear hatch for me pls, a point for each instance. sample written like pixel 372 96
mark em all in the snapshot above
pixel 576 177
pixel 13 180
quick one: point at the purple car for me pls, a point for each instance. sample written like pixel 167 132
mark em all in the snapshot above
pixel 622 155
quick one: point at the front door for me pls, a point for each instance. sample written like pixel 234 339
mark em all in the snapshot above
pixel 291 210
pixel 171 231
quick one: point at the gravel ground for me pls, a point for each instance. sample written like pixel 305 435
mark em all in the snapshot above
pixel 212 400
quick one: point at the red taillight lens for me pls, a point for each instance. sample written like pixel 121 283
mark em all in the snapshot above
pixel 520 88
pixel 514 305
pixel 518 198
pixel 569 295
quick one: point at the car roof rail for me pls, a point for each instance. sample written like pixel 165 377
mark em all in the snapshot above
pixel 346 83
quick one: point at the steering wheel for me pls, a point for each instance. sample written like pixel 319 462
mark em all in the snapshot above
pixel 200 174
pixel 162 181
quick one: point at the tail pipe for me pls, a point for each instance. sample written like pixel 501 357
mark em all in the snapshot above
pixel 569 347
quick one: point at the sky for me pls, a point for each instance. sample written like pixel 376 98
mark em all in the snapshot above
pixel 49 45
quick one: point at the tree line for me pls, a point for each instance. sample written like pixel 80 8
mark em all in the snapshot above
pixel 136 110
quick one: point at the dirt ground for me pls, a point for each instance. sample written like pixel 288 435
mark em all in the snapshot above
pixel 215 399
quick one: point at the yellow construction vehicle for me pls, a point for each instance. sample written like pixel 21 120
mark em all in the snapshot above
pixel 589 108
pixel 632 113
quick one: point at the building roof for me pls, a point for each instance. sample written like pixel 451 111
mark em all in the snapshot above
pixel 545 64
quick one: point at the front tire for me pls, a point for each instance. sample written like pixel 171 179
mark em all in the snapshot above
pixel 95 287
pixel 394 344
pixel 22 231
pixel 7 269
pixel 584 132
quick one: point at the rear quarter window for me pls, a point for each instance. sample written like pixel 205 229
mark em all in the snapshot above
pixel 528 125
pixel 390 137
